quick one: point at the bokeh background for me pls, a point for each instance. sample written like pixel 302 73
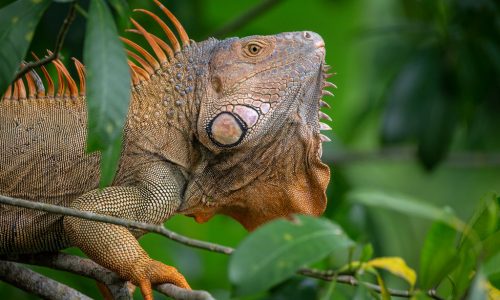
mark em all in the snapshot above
pixel 416 115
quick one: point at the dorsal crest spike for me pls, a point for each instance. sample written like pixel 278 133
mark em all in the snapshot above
pixel 159 41
pixel 50 82
pixel 30 82
pixel 72 89
pixel 133 74
pixel 170 35
pixel 80 69
pixel 141 73
pixel 38 83
pixel 60 78
pixel 152 61
pixel 8 93
pixel 20 90
pixel 31 85
pixel 151 41
pixel 182 33
pixel 144 64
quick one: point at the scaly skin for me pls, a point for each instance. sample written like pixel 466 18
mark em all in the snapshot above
pixel 226 127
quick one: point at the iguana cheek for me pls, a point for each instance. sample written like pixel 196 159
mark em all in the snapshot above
pixel 226 130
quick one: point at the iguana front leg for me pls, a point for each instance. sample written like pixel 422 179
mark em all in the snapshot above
pixel 153 200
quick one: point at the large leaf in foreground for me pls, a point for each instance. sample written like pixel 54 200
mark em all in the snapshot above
pixel 277 250
pixel 438 256
pixel 18 21
pixel 108 86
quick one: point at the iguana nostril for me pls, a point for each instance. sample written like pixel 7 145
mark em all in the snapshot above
pixel 314 38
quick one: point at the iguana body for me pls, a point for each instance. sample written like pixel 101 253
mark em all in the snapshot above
pixel 225 127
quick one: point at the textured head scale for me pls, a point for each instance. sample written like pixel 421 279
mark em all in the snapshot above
pixel 259 126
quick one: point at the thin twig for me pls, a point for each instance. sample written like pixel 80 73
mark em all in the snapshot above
pixel 37 284
pixel 88 268
pixel 245 18
pixel 59 43
pixel 327 275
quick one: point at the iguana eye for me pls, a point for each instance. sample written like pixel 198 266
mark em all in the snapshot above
pixel 253 49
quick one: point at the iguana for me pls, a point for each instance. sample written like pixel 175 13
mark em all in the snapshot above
pixel 216 127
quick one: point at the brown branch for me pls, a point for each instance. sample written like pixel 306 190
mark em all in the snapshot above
pixel 60 210
pixel 59 43
pixel 88 268
pixel 37 284
pixel 245 18
pixel 327 275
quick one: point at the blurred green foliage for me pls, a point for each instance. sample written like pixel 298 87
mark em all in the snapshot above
pixel 420 74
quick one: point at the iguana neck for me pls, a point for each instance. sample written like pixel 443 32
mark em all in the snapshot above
pixel 163 112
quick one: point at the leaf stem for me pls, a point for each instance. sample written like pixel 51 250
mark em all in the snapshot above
pixel 81 11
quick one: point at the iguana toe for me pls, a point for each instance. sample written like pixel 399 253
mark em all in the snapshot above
pixel 155 272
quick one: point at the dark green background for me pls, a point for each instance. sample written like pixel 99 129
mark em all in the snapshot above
pixel 416 114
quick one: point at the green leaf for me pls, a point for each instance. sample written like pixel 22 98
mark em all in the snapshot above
pixel 491 270
pixel 18 21
pixel 108 86
pixel 366 253
pixel 462 276
pixel 277 250
pixel 384 293
pixel 484 221
pixel 405 205
pixel 295 288
pixel 439 255
pixel 123 11
pixel 109 159
pixel 491 245
pixel 395 265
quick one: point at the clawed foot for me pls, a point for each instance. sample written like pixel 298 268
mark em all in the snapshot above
pixel 154 272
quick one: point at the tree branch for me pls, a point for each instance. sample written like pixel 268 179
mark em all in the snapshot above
pixel 245 18
pixel 88 268
pixel 36 284
pixel 60 210
pixel 327 275
pixel 59 43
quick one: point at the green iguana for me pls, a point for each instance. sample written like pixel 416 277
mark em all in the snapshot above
pixel 217 127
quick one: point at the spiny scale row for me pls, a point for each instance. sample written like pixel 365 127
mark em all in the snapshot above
pixel 323 104
pixel 66 85
pixel 148 64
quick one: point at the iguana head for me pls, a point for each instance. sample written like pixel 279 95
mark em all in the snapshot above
pixel 259 130
pixel 244 115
